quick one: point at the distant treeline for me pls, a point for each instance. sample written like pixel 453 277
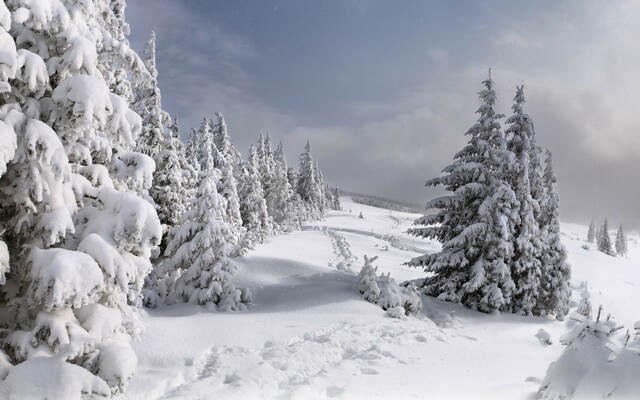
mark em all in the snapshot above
pixel 381 202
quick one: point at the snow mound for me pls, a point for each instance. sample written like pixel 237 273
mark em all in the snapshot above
pixel 52 378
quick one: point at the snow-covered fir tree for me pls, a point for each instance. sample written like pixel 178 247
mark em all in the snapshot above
pixel 199 249
pixel 223 142
pixel 621 242
pixel 598 233
pixel 149 104
pixel 322 204
pixel 526 265
pixel 169 187
pixel 604 240
pixel 555 289
pixel 308 186
pixel 169 190
pixel 77 243
pixel 286 203
pixel 192 173
pixel 253 207
pixel 591 234
pixel 118 64
pixel 474 223
pixel 335 199
pixel 265 162
pixel 228 189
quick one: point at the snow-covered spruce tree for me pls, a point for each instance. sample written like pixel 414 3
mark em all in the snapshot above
pixel 253 207
pixel 223 142
pixel 308 187
pixel 621 242
pixel 292 176
pixel 555 289
pixel 200 247
pixel 324 204
pixel 193 170
pixel 298 206
pixel 335 199
pixel 286 204
pixel 75 246
pixel 526 262
pixel 228 189
pixel 149 104
pixel 169 190
pixel 591 234
pixel 604 240
pixel 265 163
pixel 474 223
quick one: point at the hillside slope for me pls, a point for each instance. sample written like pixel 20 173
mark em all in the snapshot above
pixel 310 335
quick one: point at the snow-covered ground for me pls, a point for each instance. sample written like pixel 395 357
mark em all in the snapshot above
pixel 310 335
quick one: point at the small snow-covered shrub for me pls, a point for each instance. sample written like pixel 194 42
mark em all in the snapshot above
pixel 544 337
pixel 396 312
pixel 595 363
pixel 367 281
pixel 384 291
pixel 584 307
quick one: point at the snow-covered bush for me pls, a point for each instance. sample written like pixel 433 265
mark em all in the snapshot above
pixel 596 363
pixel 384 291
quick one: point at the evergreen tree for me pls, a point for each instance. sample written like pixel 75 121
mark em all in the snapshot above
pixel 475 222
pixel 308 185
pixel 75 243
pixel 149 104
pixel 227 188
pixel 598 235
pixel 223 142
pixel 201 246
pixel 292 177
pixel 253 207
pixel 591 235
pixel 621 242
pixel 525 265
pixel 193 167
pixel 265 162
pixel 335 199
pixel 169 190
pixel 555 289
pixel 284 201
pixel 604 240
pixel 322 203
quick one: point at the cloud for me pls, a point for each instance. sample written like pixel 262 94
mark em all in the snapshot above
pixel 578 61
pixel 513 39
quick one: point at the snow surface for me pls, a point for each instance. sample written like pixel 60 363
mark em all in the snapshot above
pixel 311 335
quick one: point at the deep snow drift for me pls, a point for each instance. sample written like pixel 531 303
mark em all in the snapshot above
pixel 311 335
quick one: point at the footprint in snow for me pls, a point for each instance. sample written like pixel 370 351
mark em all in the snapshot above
pixel 369 371
pixel 333 391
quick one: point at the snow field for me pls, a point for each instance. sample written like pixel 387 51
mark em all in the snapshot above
pixel 310 335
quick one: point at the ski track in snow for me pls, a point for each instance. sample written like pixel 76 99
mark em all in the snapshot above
pixel 341 249
pixel 394 241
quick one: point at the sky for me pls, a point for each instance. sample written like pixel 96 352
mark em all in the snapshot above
pixel 385 91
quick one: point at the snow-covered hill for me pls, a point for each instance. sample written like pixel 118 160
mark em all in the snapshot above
pixel 310 335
